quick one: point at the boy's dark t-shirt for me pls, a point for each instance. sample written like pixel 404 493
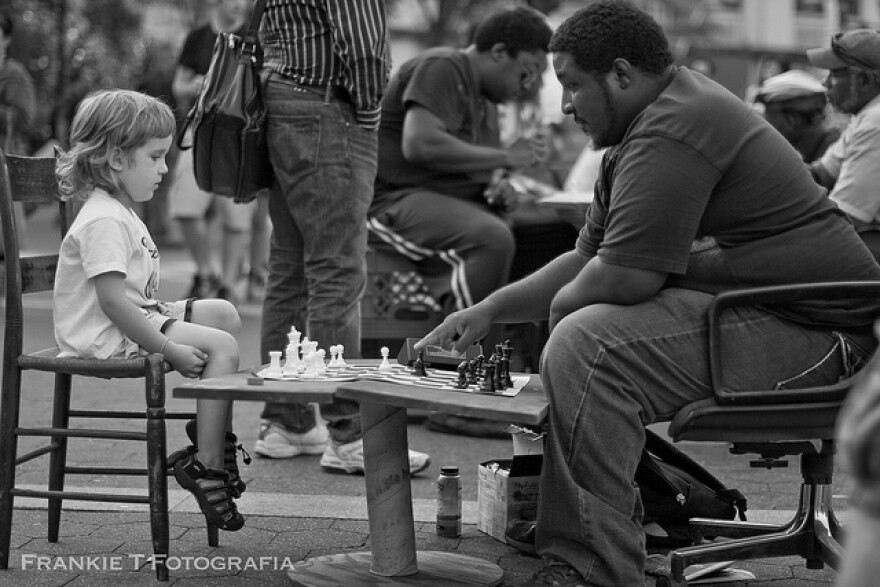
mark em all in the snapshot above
pixel 703 188
pixel 441 81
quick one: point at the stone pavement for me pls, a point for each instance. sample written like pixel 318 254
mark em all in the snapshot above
pixel 294 511
pixel 115 547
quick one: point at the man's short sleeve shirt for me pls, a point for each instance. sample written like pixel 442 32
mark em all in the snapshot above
pixel 854 160
pixel 702 188
pixel 441 81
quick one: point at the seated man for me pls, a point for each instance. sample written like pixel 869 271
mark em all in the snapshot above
pixel 850 168
pixel 696 195
pixel 435 198
pixel 794 103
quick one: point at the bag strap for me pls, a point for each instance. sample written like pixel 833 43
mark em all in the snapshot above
pixel 659 447
pixel 250 45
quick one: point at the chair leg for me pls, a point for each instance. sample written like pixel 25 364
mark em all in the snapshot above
pixel 810 536
pixel 157 465
pixel 58 456
pixel 10 404
pixel 703 527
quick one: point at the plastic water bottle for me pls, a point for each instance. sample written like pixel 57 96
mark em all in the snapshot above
pixel 449 503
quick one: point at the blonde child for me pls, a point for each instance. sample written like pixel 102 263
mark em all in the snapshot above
pixel 108 278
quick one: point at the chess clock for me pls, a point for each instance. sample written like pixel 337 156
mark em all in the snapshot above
pixel 436 357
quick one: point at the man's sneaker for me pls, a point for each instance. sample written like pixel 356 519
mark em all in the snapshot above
pixel 277 443
pixel 349 458
pixel 558 574
pixel 520 534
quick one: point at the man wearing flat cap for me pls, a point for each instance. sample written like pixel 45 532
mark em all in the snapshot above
pixel 794 104
pixel 850 168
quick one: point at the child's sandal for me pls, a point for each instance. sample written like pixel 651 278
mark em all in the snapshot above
pixel 211 490
pixel 230 457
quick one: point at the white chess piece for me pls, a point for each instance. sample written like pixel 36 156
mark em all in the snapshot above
pixel 385 365
pixel 274 369
pixel 333 364
pixel 340 361
pixel 311 370
pixel 320 366
pixel 292 362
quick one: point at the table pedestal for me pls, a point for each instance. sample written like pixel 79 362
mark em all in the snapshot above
pixel 394 559
pixel 435 569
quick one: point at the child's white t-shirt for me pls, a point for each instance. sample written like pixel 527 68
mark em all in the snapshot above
pixel 105 236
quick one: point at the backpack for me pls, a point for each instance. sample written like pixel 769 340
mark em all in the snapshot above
pixel 675 488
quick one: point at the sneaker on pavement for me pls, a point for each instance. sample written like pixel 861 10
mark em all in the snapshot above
pixel 349 458
pixel 520 534
pixel 558 574
pixel 277 443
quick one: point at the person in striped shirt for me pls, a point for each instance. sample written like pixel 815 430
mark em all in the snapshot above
pixel 327 64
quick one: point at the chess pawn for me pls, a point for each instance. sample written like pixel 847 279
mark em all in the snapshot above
pixel 331 364
pixel 340 361
pixel 385 365
pixel 419 366
pixel 274 369
pixel 320 366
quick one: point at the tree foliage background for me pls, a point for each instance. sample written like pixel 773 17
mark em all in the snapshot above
pixel 70 46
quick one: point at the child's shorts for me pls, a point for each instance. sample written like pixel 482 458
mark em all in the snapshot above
pixel 163 315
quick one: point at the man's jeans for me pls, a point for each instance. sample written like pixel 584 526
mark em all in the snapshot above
pixel 609 371
pixel 325 165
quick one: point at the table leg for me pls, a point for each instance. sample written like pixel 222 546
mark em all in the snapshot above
pixel 394 560
pixel 389 494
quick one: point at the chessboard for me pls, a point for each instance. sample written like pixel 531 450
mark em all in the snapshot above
pixel 402 374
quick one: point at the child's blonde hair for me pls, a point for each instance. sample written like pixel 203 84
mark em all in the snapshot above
pixel 108 121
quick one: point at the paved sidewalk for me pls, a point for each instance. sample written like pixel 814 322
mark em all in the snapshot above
pixel 115 546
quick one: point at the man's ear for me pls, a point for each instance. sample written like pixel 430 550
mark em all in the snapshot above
pixel 499 51
pixel 622 72
pixel 117 160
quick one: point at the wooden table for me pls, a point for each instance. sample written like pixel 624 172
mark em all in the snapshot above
pixel 393 559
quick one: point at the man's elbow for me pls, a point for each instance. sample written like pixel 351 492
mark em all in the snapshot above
pixel 417 152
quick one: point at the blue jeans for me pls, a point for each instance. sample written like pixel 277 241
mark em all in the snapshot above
pixel 611 370
pixel 325 165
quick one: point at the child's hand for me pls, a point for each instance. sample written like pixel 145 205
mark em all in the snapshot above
pixel 186 360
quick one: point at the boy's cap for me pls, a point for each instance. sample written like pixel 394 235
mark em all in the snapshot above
pixel 857 48
pixel 790 85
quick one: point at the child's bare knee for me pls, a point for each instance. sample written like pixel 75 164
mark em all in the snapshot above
pixel 225 345
pixel 229 319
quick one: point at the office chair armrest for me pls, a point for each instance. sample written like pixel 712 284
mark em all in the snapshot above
pixel 781 294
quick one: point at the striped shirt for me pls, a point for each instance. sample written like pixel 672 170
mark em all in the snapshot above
pixel 331 43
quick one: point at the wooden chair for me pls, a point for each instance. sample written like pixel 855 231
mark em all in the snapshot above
pixel 772 424
pixel 32 180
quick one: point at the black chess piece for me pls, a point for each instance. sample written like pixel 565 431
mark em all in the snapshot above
pixel 472 372
pixel 487 384
pixel 419 365
pixel 504 373
pixel 462 375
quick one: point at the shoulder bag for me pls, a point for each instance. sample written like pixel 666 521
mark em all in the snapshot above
pixel 228 119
